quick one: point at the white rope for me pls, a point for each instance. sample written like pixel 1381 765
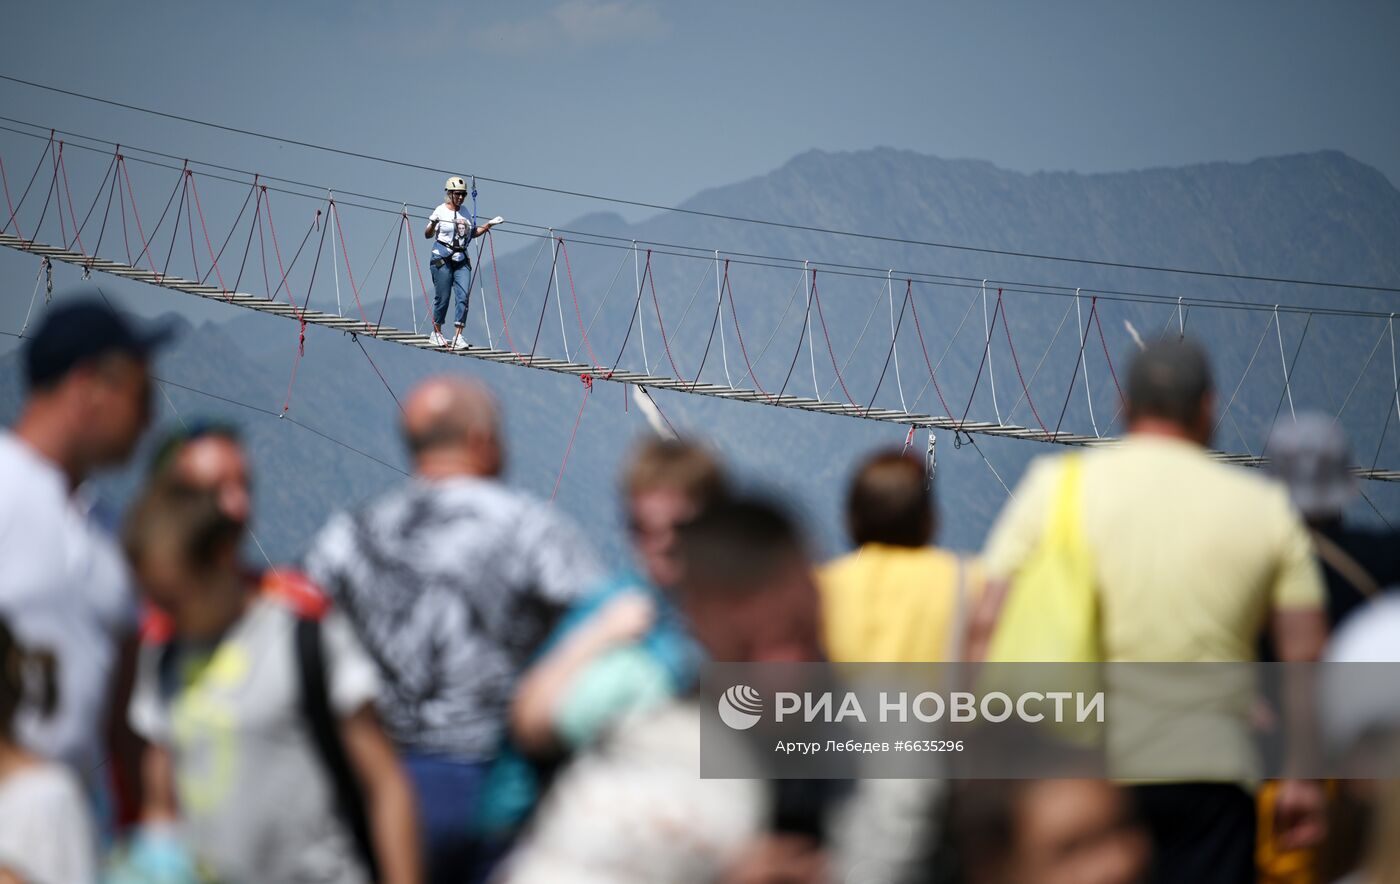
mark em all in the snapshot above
pixel 894 339
pixel 978 449
pixel 811 347
pixel 519 295
pixel 1394 375
pixel 1287 387
pixel 1180 320
pixel 1262 335
pixel 485 314
pixel 1361 374
pixel 408 269
pixel 641 313
pixel 38 277
pixel 719 313
pixel 335 259
pixel 616 276
pixel 179 417
pixel 559 296
pixel 1084 363
pixel 991 372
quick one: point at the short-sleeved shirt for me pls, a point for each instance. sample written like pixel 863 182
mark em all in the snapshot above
pixel 64 588
pixel 450 223
pixel 46 831
pixel 632 809
pixel 894 604
pixel 255 801
pixel 1191 554
pixel 452 585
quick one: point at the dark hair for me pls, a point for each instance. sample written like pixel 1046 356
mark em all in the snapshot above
pixel 190 431
pixel 734 545
pixel 673 464
pixel 1169 380
pixel 188 520
pixel 15 661
pixel 889 502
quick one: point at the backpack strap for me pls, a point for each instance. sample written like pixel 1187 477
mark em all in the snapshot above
pixel 321 721
pixel 1345 564
pixel 957 631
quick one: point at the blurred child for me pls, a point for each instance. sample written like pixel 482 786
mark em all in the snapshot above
pixel 46 834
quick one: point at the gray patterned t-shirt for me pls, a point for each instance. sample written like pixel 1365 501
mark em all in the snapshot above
pixel 451 585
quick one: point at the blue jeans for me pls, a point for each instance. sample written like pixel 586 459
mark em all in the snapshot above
pixel 448 793
pixel 446 277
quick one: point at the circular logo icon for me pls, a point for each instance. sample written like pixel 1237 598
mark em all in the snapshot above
pixel 740 707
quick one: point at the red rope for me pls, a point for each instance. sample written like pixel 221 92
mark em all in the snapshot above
pixel 194 188
pixel 140 230
pixel 413 262
pixel 1006 326
pixel 500 298
pixel 830 351
pixel 277 249
pixel 301 312
pixel 593 357
pixel 344 250
pixel 8 203
pixel 1122 400
pixel 660 322
pixel 932 376
pixel 291 381
pixel 734 312
pixel 587 389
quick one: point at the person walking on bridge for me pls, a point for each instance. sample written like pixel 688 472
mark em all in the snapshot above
pixel 451 266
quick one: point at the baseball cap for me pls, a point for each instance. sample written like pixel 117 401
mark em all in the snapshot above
pixel 82 330
pixel 1312 458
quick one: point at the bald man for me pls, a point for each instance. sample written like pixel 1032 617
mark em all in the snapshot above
pixel 451 581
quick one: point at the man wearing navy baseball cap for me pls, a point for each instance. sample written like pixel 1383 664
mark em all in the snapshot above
pixel 64 587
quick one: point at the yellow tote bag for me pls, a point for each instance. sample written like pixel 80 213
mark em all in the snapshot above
pixel 1051 613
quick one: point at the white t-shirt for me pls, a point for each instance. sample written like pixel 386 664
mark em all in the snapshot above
pixel 46 833
pixel 447 220
pixel 255 801
pixel 64 588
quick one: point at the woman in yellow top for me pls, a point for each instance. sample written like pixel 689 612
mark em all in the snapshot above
pixel 896 598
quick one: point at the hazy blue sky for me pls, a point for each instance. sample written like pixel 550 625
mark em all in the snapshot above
pixel 655 101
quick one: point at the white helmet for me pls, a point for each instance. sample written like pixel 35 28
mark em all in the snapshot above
pixel 455 183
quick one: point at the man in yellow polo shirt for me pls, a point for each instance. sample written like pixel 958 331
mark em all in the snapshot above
pixel 1194 559
pixel 895 599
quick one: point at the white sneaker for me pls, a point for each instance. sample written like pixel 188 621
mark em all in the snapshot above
pixel 436 339
pixel 459 343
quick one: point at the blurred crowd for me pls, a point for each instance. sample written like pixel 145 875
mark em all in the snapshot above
pixel 450 687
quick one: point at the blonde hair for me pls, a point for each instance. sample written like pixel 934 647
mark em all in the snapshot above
pixel 670 464
pixel 173 516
